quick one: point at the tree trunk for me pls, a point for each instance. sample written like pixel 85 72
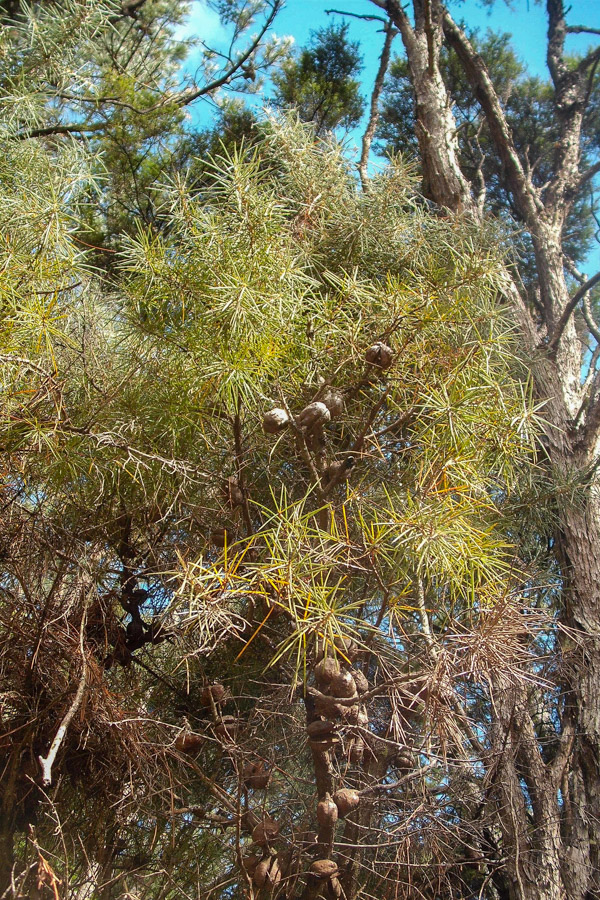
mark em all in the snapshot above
pixel 555 856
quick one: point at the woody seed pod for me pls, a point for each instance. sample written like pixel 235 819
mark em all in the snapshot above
pixel 312 415
pixel 325 743
pixel 340 469
pixel 188 742
pixel 379 355
pixel 362 685
pixel 275 420
pixel 226 729
pixel 249 821
pixel 265 831
pixel 324 869
pixel 404 761
pixel 345 647
pixel 346 800
pixel 350 714
pixel 357 751
pixel 256 775
pixel 334 401
pixel 217 691
pixel 326 706
pixel 232 491
pixel 250 863
pixel 363 717
pixel 320 729
pixel 334 888
pixel 219 536
pixel 327 811
pixel 326 669
pixel 342 685
pixel 267 872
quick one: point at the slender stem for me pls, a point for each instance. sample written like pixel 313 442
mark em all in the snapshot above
pixel 48 761
pixel 390 33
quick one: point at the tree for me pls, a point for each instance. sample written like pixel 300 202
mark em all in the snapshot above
pixel 321 84
pixel 216 614
pixel 284 530
pixel 557 342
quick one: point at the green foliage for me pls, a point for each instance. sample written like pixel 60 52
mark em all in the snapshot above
pixel 320 84
pixel 156 540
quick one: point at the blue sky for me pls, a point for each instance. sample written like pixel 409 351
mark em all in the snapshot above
pixel 525 20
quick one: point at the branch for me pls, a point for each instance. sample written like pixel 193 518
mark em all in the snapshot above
pixel 587 175
pixel 48 761
pixel 192 94
pixel 581 29
pixel 568 311
pixel 58 129
pixel 390 33
pixel 341 12
pixel 589 319
pixel 525 196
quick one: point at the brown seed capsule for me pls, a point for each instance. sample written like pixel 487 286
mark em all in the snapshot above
pixel 217 691
pixel 306 840
pixel 350 714
pixel 379 355
pixel 227 728
pixel 275 420
pixel 326 706
pixel 334 401
pixel 342 685
pixel 340 469
pixel 346 800
pixel 220 536
pixel 265 831
pixel 249 821
pixel 320 728
pixel 188 742
pixel 404 761
pixel 256 775
pixel 327 811
pixel 250 863
pixel 312 415
pixel 325 743
pixel 334 888
pixel 324 869
pixel 362 685
pixel 363 717
pixel 267 872
pixel 326 669
pixel 345 647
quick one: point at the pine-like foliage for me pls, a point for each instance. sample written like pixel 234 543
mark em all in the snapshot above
pixel 209 623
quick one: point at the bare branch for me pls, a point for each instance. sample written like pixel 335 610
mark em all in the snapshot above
pixel 569 309
pixel 526 198
pixel 341 12
pixel 581 29
pixel 188 96
pixel 46 762
pixel 390 33
pixel 587 175
pixel 50 130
